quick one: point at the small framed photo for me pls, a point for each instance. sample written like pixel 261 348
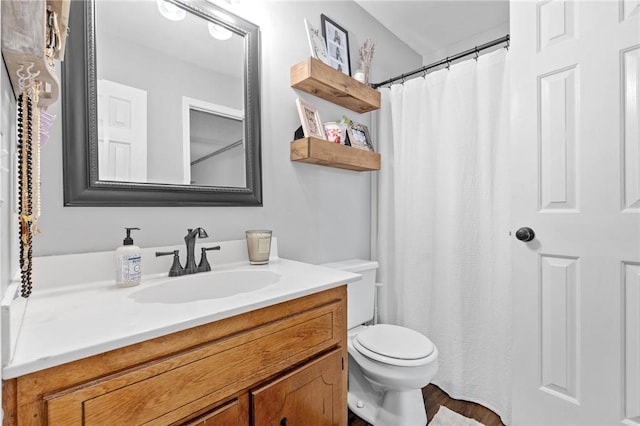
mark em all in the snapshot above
pixel 337 45
pixel 310 120
pixel 316 43
pixel 359 136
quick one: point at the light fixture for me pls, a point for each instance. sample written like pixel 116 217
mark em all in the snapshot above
pixel 219 32
pixel 170 11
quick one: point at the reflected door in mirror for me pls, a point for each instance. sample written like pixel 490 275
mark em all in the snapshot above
pixel 122 132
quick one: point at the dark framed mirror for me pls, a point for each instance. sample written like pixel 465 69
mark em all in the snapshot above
pixel 158 110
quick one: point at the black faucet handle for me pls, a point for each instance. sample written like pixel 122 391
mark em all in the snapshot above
pixel 204 265
pixel 176 268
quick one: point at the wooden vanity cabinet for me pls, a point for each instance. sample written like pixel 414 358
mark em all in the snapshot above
pixel 286 361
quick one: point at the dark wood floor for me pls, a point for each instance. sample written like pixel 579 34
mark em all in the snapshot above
pixel 434 397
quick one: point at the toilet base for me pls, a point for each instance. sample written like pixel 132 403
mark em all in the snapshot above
pixel 402 408
pixel 363 407
pixel 395 409
pixel 390 408
pixel 363 400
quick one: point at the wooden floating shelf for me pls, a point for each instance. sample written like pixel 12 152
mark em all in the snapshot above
pixel 319 79
pixel 325 153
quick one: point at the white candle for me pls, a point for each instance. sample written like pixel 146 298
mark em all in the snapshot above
pixel 258 246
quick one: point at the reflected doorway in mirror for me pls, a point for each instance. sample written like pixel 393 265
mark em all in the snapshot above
pixel 213 144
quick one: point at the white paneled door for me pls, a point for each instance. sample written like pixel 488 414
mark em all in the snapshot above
pixel 122 132
pixel 576 183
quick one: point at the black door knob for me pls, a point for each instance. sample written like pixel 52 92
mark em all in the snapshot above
pixel 525 234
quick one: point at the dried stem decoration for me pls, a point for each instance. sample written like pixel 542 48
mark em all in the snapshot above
pixel 366 52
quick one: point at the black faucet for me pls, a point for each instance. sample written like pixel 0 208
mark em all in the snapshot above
pixel 190 267
pixel 190 241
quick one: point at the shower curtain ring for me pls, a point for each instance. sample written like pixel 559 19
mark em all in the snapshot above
pixel 403 79
pixel 506 46
pixel 448 63
pixel 477 54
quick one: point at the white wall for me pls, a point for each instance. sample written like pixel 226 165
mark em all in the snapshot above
pixel 468 43
pixel 8 213
pixel 8 229
pixel 319 214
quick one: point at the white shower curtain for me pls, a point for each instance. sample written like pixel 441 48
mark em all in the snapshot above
pixel 443 222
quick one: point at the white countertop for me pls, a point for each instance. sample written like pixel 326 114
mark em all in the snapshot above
pixel 67 323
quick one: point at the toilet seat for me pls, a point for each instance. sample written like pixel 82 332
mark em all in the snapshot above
pixel 394 345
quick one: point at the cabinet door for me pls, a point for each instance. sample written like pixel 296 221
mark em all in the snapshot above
pixel 233 413
pixel 314 394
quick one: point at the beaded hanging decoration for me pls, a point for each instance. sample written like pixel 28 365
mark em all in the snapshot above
pixel 29 130
pixel 28 152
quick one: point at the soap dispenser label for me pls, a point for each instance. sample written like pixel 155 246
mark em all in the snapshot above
pixel 130 268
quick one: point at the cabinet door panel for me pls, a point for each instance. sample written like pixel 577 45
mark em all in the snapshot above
pixel 310 395
pixel 233 413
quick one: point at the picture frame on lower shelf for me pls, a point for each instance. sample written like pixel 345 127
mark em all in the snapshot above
pixel 310 120
pixel 358 135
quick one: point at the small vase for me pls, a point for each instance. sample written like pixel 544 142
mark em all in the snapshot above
pixel 343 133
pixel 362 73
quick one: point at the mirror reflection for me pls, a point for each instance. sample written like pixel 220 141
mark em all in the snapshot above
pixel 161 105
pixel 170 89
pixel 216 144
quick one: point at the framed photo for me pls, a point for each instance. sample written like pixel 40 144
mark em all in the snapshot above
pixel 316 43
pixel 359 136
pixel 310 120
pixel 337 45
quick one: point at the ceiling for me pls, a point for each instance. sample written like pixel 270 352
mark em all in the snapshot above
pixel 429 26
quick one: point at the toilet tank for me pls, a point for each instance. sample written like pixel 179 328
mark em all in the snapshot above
pixel 360 294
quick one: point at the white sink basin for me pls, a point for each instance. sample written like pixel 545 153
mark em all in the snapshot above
pixel 207 285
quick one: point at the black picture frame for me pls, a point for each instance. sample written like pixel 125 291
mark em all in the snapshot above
pixel 337 39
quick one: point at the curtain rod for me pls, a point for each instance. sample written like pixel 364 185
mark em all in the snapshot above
pixel 446 61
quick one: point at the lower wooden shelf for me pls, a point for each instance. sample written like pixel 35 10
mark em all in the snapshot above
pixel 325 153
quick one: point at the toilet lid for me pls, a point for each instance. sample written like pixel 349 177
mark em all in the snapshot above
pixel 393 341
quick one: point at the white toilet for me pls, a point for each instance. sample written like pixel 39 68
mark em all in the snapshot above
pixel 388 364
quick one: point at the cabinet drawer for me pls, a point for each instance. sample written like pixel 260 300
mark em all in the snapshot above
pixel 166 391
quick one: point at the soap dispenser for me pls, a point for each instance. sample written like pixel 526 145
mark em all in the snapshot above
pixel 128 262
